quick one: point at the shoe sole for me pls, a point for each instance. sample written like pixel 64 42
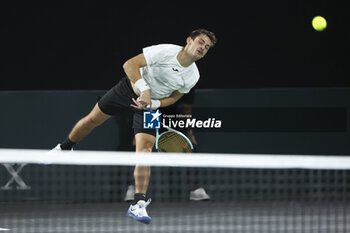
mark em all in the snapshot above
pixel 200 199
pixel 144 220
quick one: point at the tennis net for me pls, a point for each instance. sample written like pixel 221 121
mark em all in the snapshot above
pixel 86 191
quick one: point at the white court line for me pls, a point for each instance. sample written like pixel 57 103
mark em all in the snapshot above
pixel 4 229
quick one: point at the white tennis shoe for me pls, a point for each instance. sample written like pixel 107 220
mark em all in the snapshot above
pixel 53 152
pixel 199 195
pixel 57 148
pixel 138 212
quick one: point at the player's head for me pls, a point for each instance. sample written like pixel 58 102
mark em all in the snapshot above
pixel 199 42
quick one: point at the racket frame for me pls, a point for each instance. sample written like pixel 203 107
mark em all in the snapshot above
pixel 171 130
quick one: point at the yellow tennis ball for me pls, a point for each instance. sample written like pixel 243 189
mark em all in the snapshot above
pixel 319 23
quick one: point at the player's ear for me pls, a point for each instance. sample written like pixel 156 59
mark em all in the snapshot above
pixel 188 40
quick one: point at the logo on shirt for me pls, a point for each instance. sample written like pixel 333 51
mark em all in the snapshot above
pixel 151 119
pixel 175 69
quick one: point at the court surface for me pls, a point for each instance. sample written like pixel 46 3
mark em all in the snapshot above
pixel 176 217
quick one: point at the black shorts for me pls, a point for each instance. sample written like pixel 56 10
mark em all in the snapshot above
pixel 119 99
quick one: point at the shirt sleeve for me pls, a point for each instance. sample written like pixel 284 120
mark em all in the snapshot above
pixel 192 81
pixel 154 54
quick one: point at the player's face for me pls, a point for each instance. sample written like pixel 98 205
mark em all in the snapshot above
pixel 199 46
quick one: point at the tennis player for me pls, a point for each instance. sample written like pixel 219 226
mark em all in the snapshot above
pixel 158 77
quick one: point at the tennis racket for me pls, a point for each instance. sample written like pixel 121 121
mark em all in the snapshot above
pixel 172 140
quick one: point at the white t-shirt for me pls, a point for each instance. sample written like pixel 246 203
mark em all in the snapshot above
pixel 163 72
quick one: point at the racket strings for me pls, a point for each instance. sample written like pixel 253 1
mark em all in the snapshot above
pixel 173 142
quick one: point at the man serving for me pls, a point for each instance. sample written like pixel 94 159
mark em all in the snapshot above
pixel 158 77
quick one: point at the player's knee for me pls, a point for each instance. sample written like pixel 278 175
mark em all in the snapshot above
pixel 90 122
pixel 145 147
pixel 145 150
pixel 144 142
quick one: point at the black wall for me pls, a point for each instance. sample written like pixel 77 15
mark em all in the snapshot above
pixel 83 44
pixel 281 121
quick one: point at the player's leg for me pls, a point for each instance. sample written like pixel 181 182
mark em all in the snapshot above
pixel 114 101
pixel 84 126
pixel 137 210
pixel 144 143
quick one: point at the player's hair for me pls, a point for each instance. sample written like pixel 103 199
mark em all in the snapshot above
pixel 210 34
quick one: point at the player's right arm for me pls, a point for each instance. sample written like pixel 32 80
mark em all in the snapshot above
pixel 132 70
pixel 132 67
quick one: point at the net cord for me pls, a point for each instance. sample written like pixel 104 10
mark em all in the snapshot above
pixel 81 157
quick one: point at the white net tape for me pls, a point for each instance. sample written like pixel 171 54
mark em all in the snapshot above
pixel 174 159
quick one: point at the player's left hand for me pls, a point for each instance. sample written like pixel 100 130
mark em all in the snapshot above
pixel 138 105
pixel 143 102
pixel 145 98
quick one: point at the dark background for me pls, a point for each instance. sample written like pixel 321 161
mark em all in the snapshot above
pixel 83 44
